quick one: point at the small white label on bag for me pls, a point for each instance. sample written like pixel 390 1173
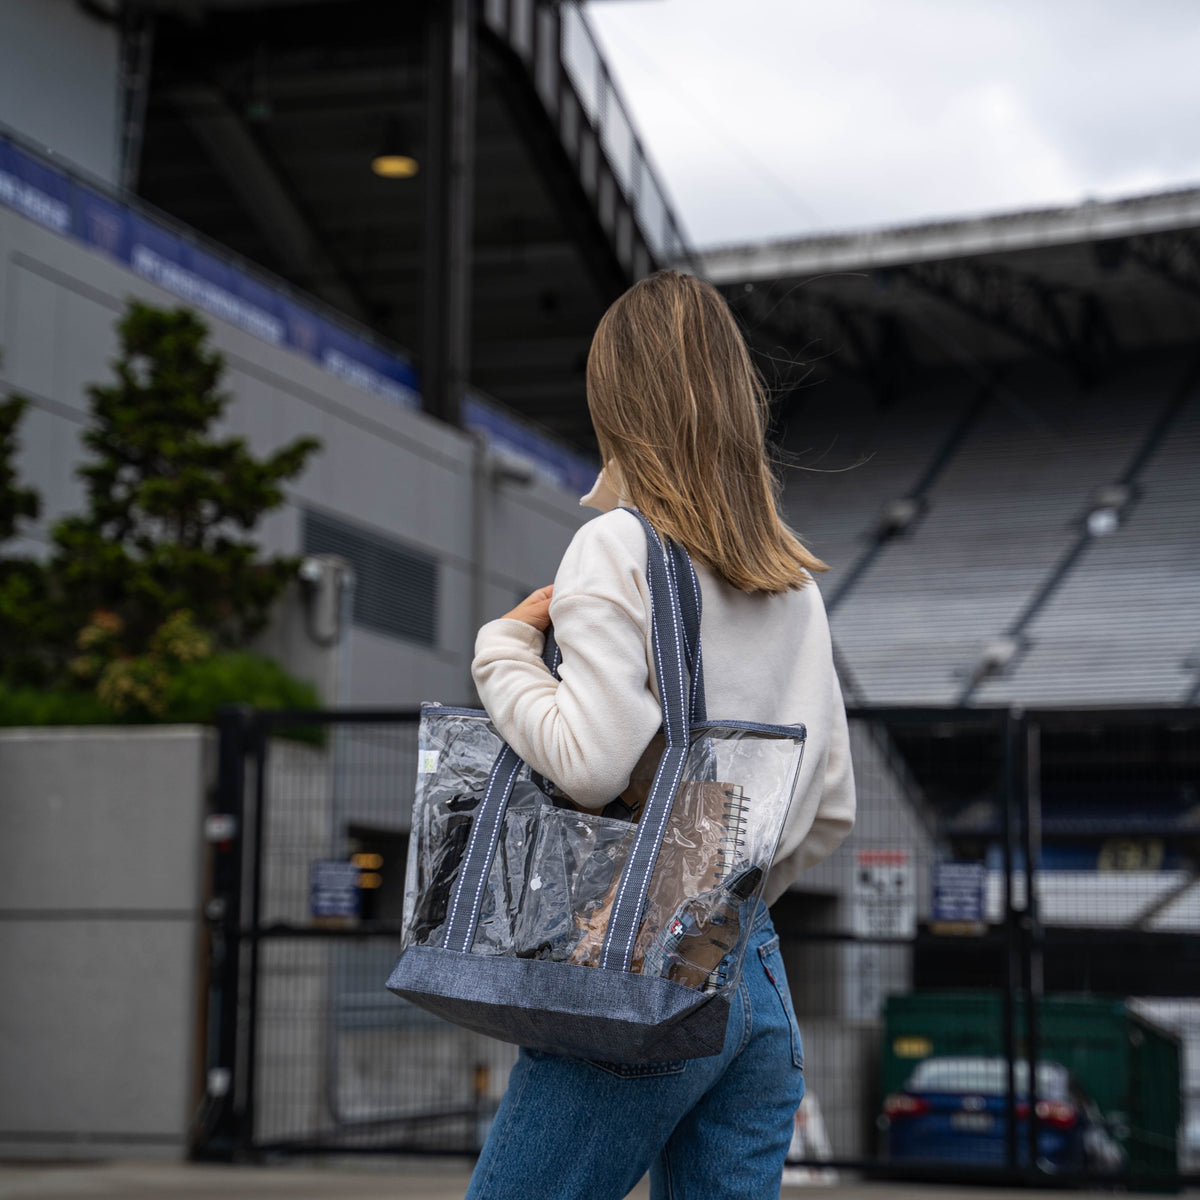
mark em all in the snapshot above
pixel 427 762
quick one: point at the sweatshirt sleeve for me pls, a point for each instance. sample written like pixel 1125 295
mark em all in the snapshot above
pixel 587 730
pixel 836 809
pixel 823 807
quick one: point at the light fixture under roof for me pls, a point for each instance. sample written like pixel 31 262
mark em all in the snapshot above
pixel 897 516
pixel 1107 508
pixel 395 159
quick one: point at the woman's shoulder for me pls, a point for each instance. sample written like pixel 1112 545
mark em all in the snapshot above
pixel 616 536
pixel 605 562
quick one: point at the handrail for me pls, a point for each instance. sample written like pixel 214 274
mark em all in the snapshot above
pixel 629 159
pixel 556 42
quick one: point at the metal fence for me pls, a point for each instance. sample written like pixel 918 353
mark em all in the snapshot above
pixel 929 964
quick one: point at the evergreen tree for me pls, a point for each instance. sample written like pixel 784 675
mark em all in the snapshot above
pixel 15 502
pixel 171 506
pixel 22 580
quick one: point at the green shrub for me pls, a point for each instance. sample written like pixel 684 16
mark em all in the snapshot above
pixel 194 692
pixel 198 689
pixel 149 596
pixel 52 706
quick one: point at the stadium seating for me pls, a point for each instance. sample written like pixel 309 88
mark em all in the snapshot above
pixel 1001 516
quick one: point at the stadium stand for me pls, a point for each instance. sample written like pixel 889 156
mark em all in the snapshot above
pixel 261 120
pixel 1126 619
pixel 994 530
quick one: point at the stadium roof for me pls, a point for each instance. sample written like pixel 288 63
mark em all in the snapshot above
pixel 1078 286
pixel 998 233
pixel 262 119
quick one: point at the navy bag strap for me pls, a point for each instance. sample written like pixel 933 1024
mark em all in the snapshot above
pixel 670 642
pixel 675 637
pixel 688 587
pixel 550 655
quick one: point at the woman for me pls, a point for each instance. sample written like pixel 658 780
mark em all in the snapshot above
pixel 680 417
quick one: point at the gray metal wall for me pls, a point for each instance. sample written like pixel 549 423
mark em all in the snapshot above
pixel 58 81
pixel 393 473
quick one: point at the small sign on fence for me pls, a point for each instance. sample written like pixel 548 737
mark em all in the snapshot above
pixel 959 890
pixel 883 900
pixel 883 906
pixel 333 889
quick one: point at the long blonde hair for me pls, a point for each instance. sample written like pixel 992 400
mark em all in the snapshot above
pixel 680 410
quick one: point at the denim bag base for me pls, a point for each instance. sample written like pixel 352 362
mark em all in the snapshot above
pixel 535 922
pixel 563 1008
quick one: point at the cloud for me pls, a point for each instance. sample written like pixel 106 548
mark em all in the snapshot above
pixel 782 117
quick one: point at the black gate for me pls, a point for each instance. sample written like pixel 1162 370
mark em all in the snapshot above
pixel 929 966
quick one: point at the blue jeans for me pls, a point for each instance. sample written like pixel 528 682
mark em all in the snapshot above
pixel 706 1128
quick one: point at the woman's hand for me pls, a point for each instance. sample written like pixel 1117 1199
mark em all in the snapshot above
pixel 534 609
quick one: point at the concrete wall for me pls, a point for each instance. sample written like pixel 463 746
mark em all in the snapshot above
pixel 58 81
pixel 390 471
pixel 100 892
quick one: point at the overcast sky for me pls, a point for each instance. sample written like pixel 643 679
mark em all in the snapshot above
pixel 780 118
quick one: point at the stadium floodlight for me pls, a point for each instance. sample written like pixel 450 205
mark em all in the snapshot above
pixel 996 656
pixel 395 159
pixel 897 516
pixel 1108 503
pixel 998 653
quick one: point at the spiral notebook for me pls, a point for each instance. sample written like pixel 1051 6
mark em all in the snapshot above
pixel 701 850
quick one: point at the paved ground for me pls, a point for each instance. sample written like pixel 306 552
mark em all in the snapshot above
pixel 416 1179
pixel 395 1179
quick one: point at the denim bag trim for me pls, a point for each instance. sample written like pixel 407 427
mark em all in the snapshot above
pixel 585 1012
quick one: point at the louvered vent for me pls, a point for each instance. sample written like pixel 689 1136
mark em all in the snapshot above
pixel 395 590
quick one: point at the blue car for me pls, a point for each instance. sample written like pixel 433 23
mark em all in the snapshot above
pixel 956 1110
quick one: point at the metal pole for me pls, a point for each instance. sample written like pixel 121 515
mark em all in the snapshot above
pixel 481 491
pixel 1033 930
pixel 449 183
pixel 136 58
pixel 245 1140
pixel 222 910
pixel 1012 932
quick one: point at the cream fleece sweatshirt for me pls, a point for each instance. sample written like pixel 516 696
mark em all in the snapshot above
pixel 766 658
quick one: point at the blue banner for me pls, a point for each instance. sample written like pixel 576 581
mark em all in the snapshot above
pixel 569 470
pixel 35 191
pixel 205 281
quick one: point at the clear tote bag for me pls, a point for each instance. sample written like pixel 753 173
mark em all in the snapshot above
pixel 616 935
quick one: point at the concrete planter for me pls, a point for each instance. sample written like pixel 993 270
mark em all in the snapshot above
pixel 101 862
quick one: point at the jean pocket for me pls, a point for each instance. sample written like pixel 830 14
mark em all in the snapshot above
pixel 650 1070
pixel 772 964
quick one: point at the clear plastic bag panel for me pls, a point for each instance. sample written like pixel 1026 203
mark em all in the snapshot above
pixel 716 850
pixel 556 870
pixel 454 759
